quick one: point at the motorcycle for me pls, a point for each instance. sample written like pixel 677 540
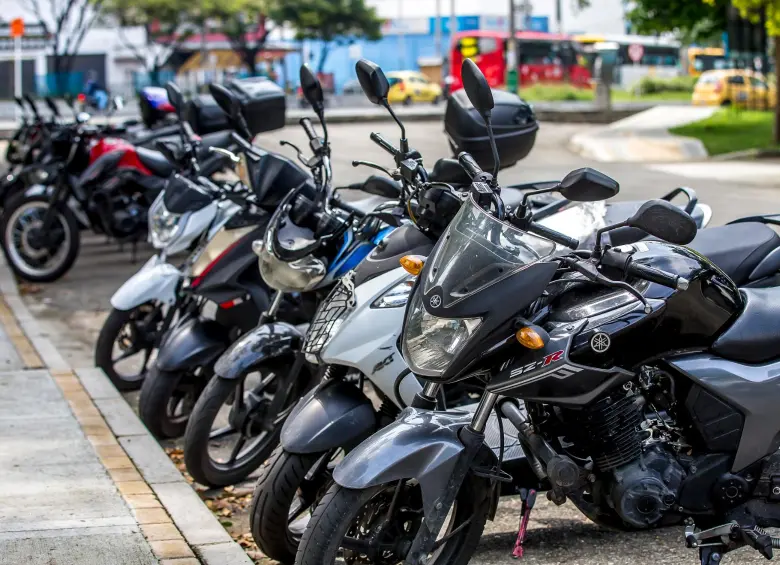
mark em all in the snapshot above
pixel 104 183
pixel 312 239
pixel 635 437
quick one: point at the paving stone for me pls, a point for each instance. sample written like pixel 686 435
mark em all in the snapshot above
pixel 123 549
pixel 132 487
pixel 97 384
pixel 120 417
pixel 159 532
pixel 171 549
pixel 152 516
pixel 222 554
pixel 138 501
pixel 191 516
pixel 151 460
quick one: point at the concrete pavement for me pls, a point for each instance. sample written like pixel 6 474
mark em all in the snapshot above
pixel 83 481
pixel 645 137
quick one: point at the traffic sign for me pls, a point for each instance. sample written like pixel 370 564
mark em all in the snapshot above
pixel 636 52
pixel 17 27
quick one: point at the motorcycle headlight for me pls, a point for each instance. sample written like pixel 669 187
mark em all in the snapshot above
pixel 163 225
pixel 397 296
pixel 330 315
pixel 430 343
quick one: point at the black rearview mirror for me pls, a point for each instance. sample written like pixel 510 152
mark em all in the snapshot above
pixel 175 97
pixel 477 88
pixel 381 186
pixel 588 185
pixel 312 89
pixel 373 81
pixel 169 149
pixel 665 221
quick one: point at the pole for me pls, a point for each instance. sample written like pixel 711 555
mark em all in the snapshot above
pixel 453 24
pixel 401 36
pixel 437 29
pixel 558 22
pixel 17 73
pixel 511 52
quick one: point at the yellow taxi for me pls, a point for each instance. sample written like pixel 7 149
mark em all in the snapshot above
pixel 734 87
pixel 407 87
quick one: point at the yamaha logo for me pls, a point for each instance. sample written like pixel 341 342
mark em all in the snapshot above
pixel 435 301
pixel 600 342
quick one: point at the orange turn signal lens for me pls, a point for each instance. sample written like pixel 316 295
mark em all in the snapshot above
pixel 529 338
pixel 412 264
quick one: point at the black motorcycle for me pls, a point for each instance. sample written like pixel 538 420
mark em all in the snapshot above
pixel 647 378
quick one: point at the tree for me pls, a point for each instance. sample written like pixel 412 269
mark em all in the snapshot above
pixel 752 10
pixel 246 24
pixel 334 22
pixel 691 21
pixel 66 23
pixel 166 24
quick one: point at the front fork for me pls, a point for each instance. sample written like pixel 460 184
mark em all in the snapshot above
pixel 60 194
pixel 472 437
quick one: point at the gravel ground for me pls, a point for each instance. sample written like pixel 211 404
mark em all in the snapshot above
pixel 74 309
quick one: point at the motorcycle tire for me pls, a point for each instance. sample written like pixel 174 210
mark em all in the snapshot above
pixel 158 392
pixel 104 350
pixel 340 507
pixel 197 458
pixel 281 478
pixel 67 221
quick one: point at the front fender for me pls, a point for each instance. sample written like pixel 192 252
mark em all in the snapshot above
pixel 421 444
pixel 263 342
pixel 194 343
pixel 334 414
pixel 156 280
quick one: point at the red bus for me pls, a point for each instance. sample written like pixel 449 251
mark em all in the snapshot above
pixel 543 57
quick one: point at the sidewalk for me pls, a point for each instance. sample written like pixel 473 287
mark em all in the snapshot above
pixel 83 482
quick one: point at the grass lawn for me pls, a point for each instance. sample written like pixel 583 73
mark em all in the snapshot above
pixel 732 130
pixel 561 93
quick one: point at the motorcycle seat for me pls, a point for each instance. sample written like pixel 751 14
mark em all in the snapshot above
pixel 753 337
pixel 736 248
pixel 154 161
pixel 369 204
pixel 449 171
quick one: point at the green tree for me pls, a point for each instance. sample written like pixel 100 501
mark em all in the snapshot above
pixel 752 9
pixel 246 24
pixel 691 21
pixel 166 24
pixel 334 22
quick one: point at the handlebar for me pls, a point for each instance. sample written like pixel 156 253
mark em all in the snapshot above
pixel 623 261
pixel 469 164
pixel 346 207
pixel 384 144
pixel 308 128
pixel 189 132
pixel 553 235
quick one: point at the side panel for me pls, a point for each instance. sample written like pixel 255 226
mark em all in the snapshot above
pixel 753 389
pixel 264 342
pixel 157 280
pixel 335 414
pixel 194 343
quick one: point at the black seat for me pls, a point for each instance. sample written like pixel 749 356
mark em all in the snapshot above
pixel 754 336
pixel 449 171
pixel 154 161
pixel 736 248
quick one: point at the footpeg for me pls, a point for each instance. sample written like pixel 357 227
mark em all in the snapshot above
pixel 529 500
pixel 715 542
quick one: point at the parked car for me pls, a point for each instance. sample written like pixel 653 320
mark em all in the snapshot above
pixel 738 87
pixel 407 87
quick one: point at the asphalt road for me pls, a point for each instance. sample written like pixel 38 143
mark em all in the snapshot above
pixel 76 305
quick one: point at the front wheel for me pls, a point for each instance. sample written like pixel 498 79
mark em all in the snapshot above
pixel 378 524
pixel 36 254
pixel 166 401
pixel 286 493
pixel 231 430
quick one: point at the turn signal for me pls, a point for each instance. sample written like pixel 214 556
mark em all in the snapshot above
pixel 412 264
pixel 529 338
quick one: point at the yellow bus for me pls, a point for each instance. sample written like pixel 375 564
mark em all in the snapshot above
pixel 700 59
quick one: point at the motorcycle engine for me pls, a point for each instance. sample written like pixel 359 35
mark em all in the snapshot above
pixel 120 215
pixel 640 479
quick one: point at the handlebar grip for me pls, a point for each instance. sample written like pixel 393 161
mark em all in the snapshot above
pixel 469 164
pixel 553 235
pixel 658 276
pixel 308 128
pixel 346 207
pixel 383 143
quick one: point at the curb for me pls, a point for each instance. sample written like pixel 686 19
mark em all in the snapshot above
pixel 174 520
pixel 747 154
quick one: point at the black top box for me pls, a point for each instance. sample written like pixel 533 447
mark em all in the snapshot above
pixel 514 126
pixel 205 116
pixel 262 103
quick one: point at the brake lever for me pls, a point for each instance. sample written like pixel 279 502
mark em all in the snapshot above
pixel 374 166
pixel 301 158
pixel 591 272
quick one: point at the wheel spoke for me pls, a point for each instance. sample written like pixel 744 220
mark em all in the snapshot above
pixel 222 432
pixel 125 354
pixel 236 449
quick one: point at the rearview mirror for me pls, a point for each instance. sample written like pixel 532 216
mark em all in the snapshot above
pixel 169 149
pixel 381 186
pixel 312 89
pixel 175 97
pixel 477 88
pixel 373 81
pixel 665 221
pixel 588 185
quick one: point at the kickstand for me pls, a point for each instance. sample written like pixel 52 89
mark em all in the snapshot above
pixel 529 500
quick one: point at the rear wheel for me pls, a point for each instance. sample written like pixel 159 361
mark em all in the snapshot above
pixel 36 254
pixel 377 525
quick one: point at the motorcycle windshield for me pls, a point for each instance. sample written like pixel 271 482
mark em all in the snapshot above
pixel 478 250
